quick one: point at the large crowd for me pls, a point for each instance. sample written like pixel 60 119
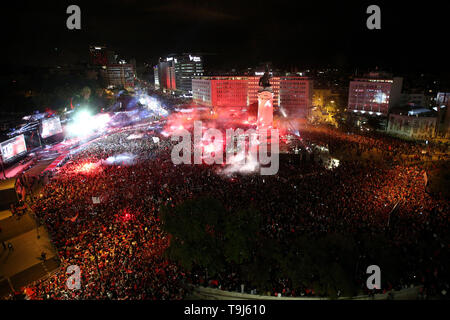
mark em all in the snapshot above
pixel 118 241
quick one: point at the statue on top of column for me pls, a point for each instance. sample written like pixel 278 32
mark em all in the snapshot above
pixel 264 80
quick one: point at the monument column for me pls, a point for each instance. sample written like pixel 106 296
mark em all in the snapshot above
pixel 265 109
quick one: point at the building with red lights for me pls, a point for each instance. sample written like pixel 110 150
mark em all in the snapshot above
pixel 166 76
pixel 253 88
pixel 293 95
pixel 220 91
pixel 374 94
pixel 176 71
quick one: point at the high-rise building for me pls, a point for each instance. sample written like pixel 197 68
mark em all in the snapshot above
pixel 185 67
pixel 375 94
pixel 156 77
pixel 166 75
pixel 293 95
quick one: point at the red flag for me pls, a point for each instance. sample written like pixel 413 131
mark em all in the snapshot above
pixel 73 219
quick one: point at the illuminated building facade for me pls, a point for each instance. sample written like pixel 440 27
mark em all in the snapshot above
pixel 292 94
pixel 442 106
pixel 202 93
pixel 175 72
pixel 253 87
pixel 220 91
pixel 166 76
pixel 374 95
pixel 187 66
pixel 417 124
pixel 156 74
pixel 295 96
pixel 121 75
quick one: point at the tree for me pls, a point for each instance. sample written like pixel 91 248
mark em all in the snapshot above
pixel 196 231
pixel 241 234
pixel 265 264
pixel 380 251
pixel 326 264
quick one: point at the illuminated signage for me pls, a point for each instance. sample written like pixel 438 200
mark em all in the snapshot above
pixel 50 127
pixel 195 59
pixel 13 147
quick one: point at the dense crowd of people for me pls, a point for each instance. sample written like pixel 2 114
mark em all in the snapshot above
pixel 104 216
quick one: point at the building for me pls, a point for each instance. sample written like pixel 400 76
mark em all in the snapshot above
pixel 176 71
pixel 295 96
pixel 416 99
pixel 375 94
pixel 120 75
pixel 221 91
pixel 291 94
pixel 156 77
pixel 187 67
pixel 166 76
pixel 443 98
pixel 442 106
pixel 416 123
pixel 101 56
pixel 253 88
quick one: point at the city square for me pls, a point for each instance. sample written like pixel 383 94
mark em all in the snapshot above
pixel 177 173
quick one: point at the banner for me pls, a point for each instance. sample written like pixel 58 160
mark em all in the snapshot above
pixel 95 200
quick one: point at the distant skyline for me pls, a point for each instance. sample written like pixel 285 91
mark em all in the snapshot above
pixel 413 36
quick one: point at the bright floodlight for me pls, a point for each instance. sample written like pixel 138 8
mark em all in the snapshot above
pixel 84 123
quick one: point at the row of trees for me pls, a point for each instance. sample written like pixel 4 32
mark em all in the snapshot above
pixel 40 89
pixel 204 235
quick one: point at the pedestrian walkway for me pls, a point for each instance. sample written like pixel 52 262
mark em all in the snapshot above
pixel 26 252
pixel 22 263
pixel 5 214
pixel 14 226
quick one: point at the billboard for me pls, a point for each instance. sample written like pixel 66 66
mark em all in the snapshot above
pixel 50 127
pixel 13 147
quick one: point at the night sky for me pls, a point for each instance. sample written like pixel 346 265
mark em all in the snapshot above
pixel 414 35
